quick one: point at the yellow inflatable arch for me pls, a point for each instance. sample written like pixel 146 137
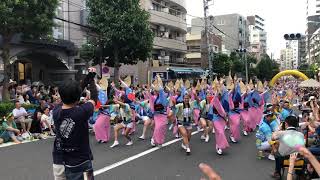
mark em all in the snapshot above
pixel 285 73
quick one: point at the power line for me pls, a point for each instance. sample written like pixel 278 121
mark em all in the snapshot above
pixel 173 20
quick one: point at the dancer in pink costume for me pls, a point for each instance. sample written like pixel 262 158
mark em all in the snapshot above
pixel 235 100
pixel 218 116
pixel 245 116
pixel 158 103
pixel 102 127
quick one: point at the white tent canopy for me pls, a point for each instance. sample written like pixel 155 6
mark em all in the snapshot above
pixel 310 83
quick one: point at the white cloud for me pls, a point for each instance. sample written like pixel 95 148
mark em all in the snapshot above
pixel 282 16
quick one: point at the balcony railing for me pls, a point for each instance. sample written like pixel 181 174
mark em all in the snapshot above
pixel 174 45
pixel 158 17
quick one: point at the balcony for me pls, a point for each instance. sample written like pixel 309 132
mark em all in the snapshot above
pixel 170 44
pixel 180 3
pixel 158 17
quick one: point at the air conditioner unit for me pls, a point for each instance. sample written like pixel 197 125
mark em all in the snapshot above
pixel 166 58
pixel 162 53
pixel 162 28
pixel 166 10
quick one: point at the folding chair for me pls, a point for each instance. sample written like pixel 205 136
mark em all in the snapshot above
pixel 298 165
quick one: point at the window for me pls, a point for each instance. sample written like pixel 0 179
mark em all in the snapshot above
pixel 156 7
pixel 317 11
pixel 221 22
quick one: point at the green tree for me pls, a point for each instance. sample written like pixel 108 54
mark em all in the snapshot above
pixel 221 64
pixel 32 18
pixel 123 27
pixel 267 68
pixel 237 63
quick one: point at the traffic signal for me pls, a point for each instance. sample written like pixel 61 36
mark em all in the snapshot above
pixel 241 50
pixel 292 36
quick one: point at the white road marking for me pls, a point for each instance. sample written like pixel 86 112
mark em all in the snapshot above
pixel 119 163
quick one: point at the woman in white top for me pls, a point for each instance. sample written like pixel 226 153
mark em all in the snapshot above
pixel 46 120
pixel 185 117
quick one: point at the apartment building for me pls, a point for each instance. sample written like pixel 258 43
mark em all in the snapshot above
pixel 257 36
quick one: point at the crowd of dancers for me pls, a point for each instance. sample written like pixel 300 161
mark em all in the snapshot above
pixel 210 107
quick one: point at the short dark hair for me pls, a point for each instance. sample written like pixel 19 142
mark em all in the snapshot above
pixel 292 121
pixel 70 91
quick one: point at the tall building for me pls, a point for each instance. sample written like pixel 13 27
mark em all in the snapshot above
pixel 313 24
pixel 168 23
pixel 198 51
pixel 289 57
pixel 283 59
pixel 61 55
pixel 233 28
pixel 257 36
pixel 314 47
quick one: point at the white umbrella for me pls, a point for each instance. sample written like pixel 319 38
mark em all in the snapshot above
pixel 310 83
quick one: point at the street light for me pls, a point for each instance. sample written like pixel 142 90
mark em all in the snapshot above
pixel 244 52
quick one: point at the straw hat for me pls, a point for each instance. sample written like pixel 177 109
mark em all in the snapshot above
pixel 177 85
pixel 198 86
pixel 157 83
pixel 243 87
pixel 260 87
pixel 127 80
pixel 187 84
pixel 250 85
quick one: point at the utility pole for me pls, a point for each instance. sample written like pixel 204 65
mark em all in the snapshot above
pixel 206 33
pixel 246 63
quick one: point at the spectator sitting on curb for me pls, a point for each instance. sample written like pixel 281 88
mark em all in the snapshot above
pixel 20 114
pixel 11 133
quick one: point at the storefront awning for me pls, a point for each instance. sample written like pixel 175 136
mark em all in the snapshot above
pixel 187 70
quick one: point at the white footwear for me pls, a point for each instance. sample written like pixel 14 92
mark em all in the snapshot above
pixel 129 143
pixel 170 127
pixel 271 157
pixel 207 139
pixel 203 137
pixel 177 135
pixel 152 143
pixel 213 131
pixel 142 137
pixel 183 146
pixel 232 139
pixel 245 133
pixel 219 151
pixel 116 143
pixel 199 129
pixel 188 151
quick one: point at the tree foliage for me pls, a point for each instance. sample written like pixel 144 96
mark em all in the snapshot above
pixel 123 29
pixel 32 18
pixel 267 68
pixel 309 69
pixel 221 64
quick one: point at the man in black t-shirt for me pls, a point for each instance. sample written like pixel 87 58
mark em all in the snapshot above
pixel 72 156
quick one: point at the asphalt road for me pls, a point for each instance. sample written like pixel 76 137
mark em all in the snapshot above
pixel 32 161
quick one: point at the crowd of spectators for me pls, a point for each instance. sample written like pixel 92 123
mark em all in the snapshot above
pixel 27 124
pixel 293 115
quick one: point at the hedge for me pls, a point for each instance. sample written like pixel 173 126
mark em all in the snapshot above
pixel 7 107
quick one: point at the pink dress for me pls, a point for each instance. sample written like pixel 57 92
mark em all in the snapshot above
pixel 102 127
